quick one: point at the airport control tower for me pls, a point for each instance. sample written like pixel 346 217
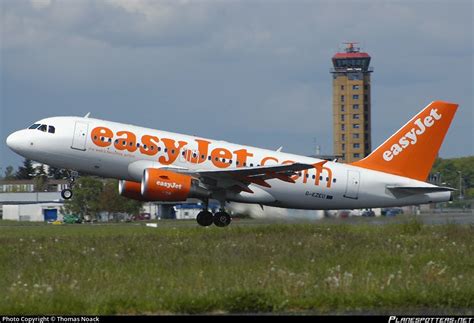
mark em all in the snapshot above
pixel 351 103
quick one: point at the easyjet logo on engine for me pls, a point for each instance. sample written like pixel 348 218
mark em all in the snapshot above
pixel 412 136
pixel 169 185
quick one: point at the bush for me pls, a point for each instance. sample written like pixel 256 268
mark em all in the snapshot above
pixel 249 302
pixel 412 227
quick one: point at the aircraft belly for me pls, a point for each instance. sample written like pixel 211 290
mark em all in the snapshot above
pixel 259 196
pixel 301 196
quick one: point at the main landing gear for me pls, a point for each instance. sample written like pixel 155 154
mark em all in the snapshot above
pixel 206 218
pixel 67 192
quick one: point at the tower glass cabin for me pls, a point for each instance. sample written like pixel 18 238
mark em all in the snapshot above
pixel 351 104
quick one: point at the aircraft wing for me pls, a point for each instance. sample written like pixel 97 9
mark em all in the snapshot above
pixel 243 176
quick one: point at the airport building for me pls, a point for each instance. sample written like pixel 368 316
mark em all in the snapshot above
pixel 24 186
pixel 351 104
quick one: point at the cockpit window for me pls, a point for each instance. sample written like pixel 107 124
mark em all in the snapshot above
pixel 51 129
pixel 42 128
pixel 34 126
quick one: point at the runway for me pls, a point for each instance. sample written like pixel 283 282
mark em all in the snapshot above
pixel 458 218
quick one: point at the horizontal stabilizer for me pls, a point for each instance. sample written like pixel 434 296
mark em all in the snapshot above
pixel 412 190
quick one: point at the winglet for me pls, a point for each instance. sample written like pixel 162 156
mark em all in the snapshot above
pixel 320 164
pixel 411 151
pixel 87 115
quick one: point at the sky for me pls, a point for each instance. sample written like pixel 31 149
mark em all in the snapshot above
pixel 249 72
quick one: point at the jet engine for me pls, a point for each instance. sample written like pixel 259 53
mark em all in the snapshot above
pixel 131 190
pixel 164 185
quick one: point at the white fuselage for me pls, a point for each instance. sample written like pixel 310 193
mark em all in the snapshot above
pixel 336 186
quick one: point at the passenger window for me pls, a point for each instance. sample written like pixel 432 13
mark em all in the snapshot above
pixel 42 128
pixel 51 129
pixel 34 126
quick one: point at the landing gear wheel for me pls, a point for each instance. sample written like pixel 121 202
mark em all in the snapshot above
pixel 222 219
pixel 204 218
pixel 66 194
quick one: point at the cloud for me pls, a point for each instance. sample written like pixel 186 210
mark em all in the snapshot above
pixel 41 4
pixel 253 72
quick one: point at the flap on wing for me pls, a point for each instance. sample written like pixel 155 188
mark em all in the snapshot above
pixel 258 170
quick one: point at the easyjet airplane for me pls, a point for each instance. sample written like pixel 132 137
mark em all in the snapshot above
pixel 154 165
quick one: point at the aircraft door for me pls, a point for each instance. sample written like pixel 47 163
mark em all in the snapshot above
pixel 352 186
pixel 80 136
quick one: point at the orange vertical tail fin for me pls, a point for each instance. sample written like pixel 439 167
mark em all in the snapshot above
pixel 411 151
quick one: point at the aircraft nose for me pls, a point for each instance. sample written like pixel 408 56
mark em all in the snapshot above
pixel 15 141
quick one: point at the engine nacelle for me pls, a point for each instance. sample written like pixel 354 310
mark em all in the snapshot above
pixel 132 190
pixel 164 185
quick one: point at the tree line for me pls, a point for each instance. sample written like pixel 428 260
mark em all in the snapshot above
pixel 93 195
pixel 27 172
pixel 457 173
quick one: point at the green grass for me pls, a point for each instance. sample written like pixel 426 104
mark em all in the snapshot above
pixel 182 268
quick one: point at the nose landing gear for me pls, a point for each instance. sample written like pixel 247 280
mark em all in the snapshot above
pixel 67 192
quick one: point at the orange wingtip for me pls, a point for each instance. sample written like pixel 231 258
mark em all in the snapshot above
pixel 320 164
